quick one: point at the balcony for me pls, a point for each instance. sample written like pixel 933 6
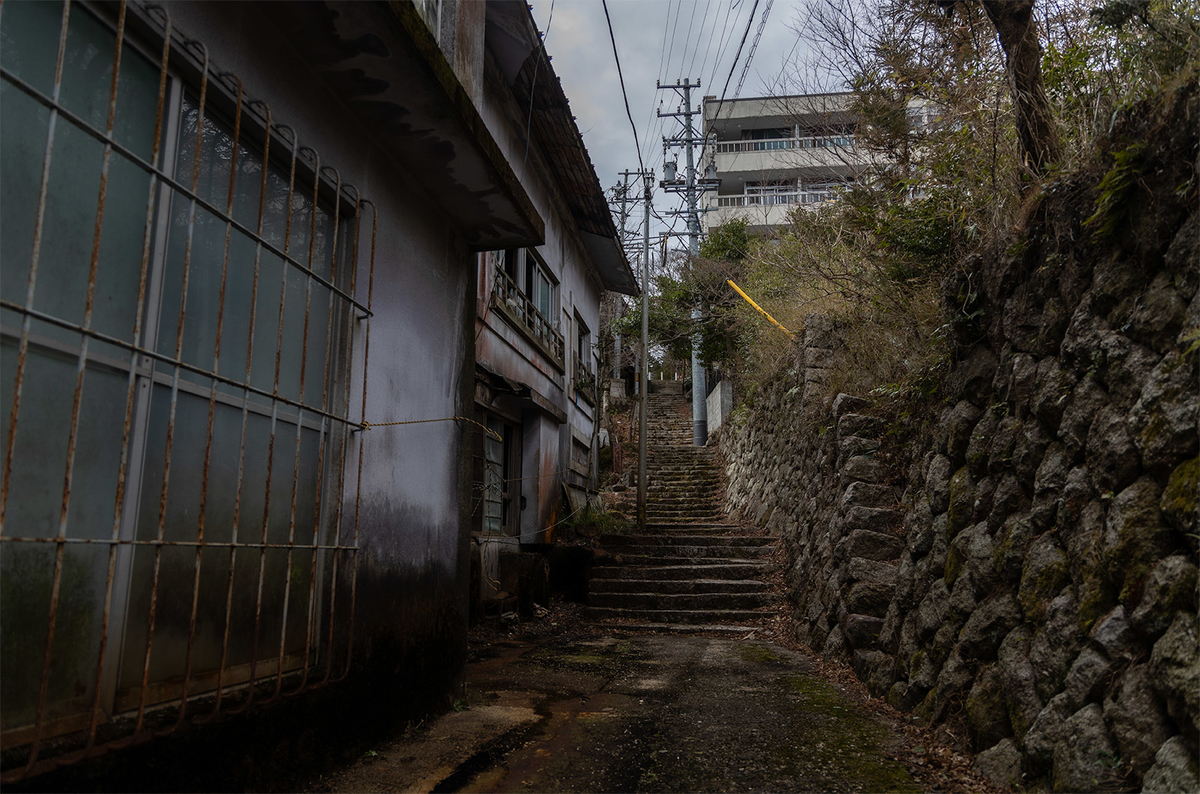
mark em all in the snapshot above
pixel 763 210
pixel 513 303
pixel 772 199
pixel 788 157
pixel 774 144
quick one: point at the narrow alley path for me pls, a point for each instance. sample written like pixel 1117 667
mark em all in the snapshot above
pixel 630 713
pixel 665 686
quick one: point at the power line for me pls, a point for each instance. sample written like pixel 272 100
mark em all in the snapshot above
pixel 533 85
pixel 723 42
pixel 762 23
pixel 699 37
pixel 708 46
pixel 687 37
pixel 620 75
pixel 732 66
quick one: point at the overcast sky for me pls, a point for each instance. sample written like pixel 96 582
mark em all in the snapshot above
pixel 664 40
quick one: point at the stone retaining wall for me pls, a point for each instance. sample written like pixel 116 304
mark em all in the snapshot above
pixel 1033 573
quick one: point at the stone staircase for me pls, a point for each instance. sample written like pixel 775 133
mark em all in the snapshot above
pixel 690 570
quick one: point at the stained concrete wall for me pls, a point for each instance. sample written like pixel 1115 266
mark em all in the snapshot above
pixel 505 350
pixel 410 610
pixel 720 404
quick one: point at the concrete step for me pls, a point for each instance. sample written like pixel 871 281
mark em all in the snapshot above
pixel 690 616
pixel 730 551
pixel 712 569
pixel 741 632
pixel 612 541
pixel 700 527
pixel 680 516
pixel 656 560
pixel 677 586
pixel 683 601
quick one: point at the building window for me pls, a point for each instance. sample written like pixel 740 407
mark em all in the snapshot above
pixel 177 314
pixel 525 287
pixel 772 133
pixel 584 379
pixel 497 484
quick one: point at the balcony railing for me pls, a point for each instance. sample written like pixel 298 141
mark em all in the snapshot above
pixel 518 305
pixel 773 144
pixel 768 199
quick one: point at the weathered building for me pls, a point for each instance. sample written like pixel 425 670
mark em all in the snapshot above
pixel 770 154
pixel 538 312
pixel 226 270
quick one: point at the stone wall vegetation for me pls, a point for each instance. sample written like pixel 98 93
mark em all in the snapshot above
pixel 1023 569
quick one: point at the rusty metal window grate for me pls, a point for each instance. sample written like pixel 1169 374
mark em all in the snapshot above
pixel 178 312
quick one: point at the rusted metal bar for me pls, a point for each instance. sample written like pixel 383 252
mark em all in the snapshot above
pixel 60 548
pixel 287 585
pixel 237 505
pixel 212 399
pixel 142 360
pixel 361 442
pixel 135 159
pixel 131 390
pixel 183 296
pixel 312 569
pixel 212 544
pixel 348 352
pixel 35 257
pixel 266 520
pixel 166 359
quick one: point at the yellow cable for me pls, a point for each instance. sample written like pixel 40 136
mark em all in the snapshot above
pixel 760 309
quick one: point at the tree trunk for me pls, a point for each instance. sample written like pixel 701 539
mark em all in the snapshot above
pixel 1035 123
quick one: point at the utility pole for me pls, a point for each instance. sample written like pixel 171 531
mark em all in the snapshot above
pixel 647 181
pixel 621 194
pixel 691 189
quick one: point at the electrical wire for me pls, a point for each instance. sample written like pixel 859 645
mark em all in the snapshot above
pixel 687 37
pixel 733 66
pixel 533 85
pixel 762 23
pixel 700 35
pixel 624 95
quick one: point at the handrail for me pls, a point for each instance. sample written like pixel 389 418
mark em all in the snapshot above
pixel 510 295
pixel 772 144
pixel 767 199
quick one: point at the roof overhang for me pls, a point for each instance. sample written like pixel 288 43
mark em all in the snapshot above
pixel 383 61
pixel 513 39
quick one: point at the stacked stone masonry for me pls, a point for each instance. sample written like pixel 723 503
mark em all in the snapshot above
pixel 1033 573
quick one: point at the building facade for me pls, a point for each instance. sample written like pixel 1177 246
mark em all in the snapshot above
pixel 771 154
pixel 238 316
pixel 538 315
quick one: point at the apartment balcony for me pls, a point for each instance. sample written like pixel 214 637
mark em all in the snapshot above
pixel 762 210
pixel 510 301
pixel 787 157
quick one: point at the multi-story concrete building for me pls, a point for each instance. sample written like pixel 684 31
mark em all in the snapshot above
pixel 770 154
pixel 239 319
pixel 538 314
